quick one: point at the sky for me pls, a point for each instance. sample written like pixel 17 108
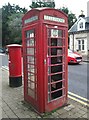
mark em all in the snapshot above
pixel 75 6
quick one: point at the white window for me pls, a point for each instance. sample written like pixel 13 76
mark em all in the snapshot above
pixel 81 45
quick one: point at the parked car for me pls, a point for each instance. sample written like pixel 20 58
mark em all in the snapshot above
pixel 2 50
pixel 74 57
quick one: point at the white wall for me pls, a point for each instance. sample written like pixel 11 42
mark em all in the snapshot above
pixel 71 42
pixel 81 36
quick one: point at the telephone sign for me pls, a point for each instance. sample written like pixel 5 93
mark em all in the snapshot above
pixel 54 33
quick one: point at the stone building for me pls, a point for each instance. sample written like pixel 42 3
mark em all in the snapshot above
pixel 79 35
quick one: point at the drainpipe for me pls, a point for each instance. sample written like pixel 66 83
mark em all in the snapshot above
pixel 73 41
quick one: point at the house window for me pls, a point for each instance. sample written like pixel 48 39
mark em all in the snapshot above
pixel 80 45
pixel 81 25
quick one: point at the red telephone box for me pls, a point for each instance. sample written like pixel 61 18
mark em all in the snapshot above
pixel 44 34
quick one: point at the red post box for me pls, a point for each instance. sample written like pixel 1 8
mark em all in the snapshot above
pixel 15 65
pixel 45 45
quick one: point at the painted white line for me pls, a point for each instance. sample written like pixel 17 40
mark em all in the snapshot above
pixel 2 54
pixel 75 95
pixel 86 104
pixel 5 67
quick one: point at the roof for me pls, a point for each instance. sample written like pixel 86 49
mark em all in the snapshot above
pixel 74 27
pixel 87 19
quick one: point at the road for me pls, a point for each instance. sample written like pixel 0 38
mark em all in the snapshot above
pixel 78 75
pixel 78 79
pixel 3 60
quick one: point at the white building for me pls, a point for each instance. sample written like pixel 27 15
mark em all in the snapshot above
pixel 79 36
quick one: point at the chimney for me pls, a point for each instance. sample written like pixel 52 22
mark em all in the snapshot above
pixel 82 15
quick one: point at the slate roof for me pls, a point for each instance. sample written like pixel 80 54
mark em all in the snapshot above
pixel 74 27
pixel 87 19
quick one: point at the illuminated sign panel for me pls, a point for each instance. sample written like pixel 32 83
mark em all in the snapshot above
pixel 34 18
pixel 42 0
pixel 56 19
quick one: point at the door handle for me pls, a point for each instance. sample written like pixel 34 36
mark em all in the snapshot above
pixel 45 61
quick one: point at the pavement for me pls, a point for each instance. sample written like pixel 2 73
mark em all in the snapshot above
pixel 85 58
pixel 12 104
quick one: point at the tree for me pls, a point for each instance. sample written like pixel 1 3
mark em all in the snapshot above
pixel 71 17
pixel 15 27
pixel 40 3
pixel 11 23
pixel 0 27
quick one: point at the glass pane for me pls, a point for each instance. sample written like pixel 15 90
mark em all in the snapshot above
pixel 31 77
pixel 56 94
pixel 59 51
pixel 60 33
pixel 79 42
pixel 56 60
pixel 29 74
pixel 55 51
pixel 29 84
pixel 49 99
pixel 49 42
pixel 49 51
pixel 31 93
pixel 31 68
pixel 30 59
pixel 82 47
pixel 56 86
pixel 54 33
pixel 29 33
pixel 30 51
pixel 79 47
pixel 56 77
pixel 59 42
pixel 49 90
pixel 82 41
pixel 31 42
pixel 32 85
pixel 49 70
pixel 53 41
pixel 28 42
pixel 49 79
pixel 55 69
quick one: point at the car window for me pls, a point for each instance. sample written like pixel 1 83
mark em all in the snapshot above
pixel 1 50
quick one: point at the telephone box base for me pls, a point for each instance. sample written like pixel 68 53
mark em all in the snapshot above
pixel 15 81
